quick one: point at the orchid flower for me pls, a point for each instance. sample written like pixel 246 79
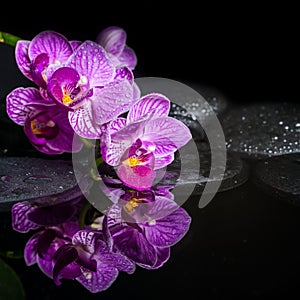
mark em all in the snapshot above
pixel 113 40
pixel 47 211
pixel 144 226
pixel 46 126
pixel 92 89
pixel 46 50
pixel 78 76
pixel 42 245
pixel 144 141
pixel 89 260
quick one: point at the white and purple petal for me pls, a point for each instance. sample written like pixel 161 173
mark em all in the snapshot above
pixel 100 280
pixel 163 254
pixel 170 224
pixel 22 59
pixel 111 101
pixel 30 250
pixel 54 44
pixel 92 61
pixel 163 161
pixel 81 120
pixel 20 220
pixel 112 39
pixel 86 238
pixel 19 102
pixel 168 134
pixel 133 244
pixel 118 261
pixel 148 103
pixel 128 58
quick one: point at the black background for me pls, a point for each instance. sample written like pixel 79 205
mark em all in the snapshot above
pixel 249 52
pixel 245 243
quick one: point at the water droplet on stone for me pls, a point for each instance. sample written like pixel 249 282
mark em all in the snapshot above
pixel 38 179
pixel 263 132
pixel 26 178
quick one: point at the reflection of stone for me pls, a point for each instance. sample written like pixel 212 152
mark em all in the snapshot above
pixel 25 178
pixel 236 171
pixel 262 130
pixel 280 177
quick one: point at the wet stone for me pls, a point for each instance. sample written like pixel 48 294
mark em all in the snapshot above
pixel 236 171
pixel 216 100
pixel 195 112
pixel 25 178
pixel 263 130
pixel 189 119
pixel 280 177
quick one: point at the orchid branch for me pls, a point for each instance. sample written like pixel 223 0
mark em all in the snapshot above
pixel 8 39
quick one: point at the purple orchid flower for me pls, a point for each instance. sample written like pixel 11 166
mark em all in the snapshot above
pixel 47 211
pixel 89 261
pixel 145 225
pixel 144 141
pixel 48 49
pixel 113 40
pixel 42 246
pixel 94 91
pixel 45 124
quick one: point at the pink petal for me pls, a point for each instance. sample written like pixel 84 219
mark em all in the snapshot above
pixel 139 177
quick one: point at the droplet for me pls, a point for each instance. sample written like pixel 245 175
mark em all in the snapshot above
pixel 37 179
pixel 266 130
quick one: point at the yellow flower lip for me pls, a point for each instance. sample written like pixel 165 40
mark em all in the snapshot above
pixel 66 99
pixel 38 128
pixel 132 204
pixel 132 161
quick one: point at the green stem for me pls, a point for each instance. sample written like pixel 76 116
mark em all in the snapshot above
pixel 9 39
pixel 84 210
pixel 86 143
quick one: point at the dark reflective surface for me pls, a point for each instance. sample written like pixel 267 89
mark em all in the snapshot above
pixel 245 242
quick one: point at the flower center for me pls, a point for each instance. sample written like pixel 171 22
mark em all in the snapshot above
pixel 42 127
pixel 68 87
pixel 133 161
pixel 39 128
pixel 132 203
pixel 66 99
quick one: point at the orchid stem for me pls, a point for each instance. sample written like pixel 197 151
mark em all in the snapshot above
pixel 8 39
pixel 82 215
pixel 87 143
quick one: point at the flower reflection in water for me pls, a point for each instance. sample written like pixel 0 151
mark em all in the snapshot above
pixel 137 228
